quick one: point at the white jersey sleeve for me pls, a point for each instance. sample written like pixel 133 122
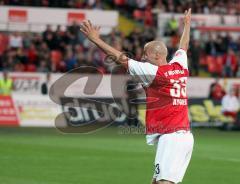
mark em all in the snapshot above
pixel 180 57
pixel 146 72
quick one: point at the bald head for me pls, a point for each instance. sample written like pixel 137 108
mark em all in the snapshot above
pixel 156 52
pixel 156 47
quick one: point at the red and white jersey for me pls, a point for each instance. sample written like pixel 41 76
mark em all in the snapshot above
pixel 166 94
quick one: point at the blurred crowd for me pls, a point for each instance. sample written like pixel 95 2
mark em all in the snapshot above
pixel 61 51
pixel 216 52
pixel 145 11
pixel 199 6
pixel 229 99
pixel 219 54
pixel 86 4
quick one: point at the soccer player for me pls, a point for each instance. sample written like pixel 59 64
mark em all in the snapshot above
pixel 167 122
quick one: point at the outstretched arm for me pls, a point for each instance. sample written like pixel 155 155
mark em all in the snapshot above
pixel 184 42
pixel 92 33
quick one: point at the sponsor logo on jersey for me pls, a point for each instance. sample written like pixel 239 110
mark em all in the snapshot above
pixel 175 72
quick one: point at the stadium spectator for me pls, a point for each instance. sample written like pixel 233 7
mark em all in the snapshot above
pixel 238 72
pixel 6 85
pixel 32 54
pixel 47 32
pixel 70 60
pixel 148 17
pixel 230 63
pixel 48 37
pixel 46 85
pixel 195 50
pixel 43 67
pixel 74 33
pixel 43 52
pixel 216 91
pixel 15 40
pixel 171 27
pixel 230 104
pixel 211 46
pixel 94 4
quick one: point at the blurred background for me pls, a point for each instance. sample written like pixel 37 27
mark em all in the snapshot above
pixel 40 42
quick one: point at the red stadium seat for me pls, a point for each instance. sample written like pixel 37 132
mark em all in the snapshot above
pixel 31 68
pixel 3 43
pixel 56 57
pixel 138 14
pixel 203 61
pixel 32 56
pixel 219 64
pixel 19 67
pixel 119 2
pixel 211 63
pixel 148 17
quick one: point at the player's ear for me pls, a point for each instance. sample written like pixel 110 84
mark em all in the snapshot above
pixel 144 55
pixel 157 55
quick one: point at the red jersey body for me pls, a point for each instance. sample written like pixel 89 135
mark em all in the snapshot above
pixel 166 94
pixel 166 98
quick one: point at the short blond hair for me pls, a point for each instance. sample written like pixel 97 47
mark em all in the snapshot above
pixel 156 46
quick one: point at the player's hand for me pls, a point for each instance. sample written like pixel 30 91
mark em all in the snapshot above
pixel 91 32
pixel 187 16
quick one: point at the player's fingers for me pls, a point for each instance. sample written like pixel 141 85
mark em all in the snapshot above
pixel 83 31
pixel 82 27
pixel 86 25
pixel 89 23
pixel 97 28
pixel 85 28
pixel 189 11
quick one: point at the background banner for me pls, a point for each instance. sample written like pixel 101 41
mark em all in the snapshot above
pixel 28 107
pixel 13 18
pixel 8 112
pixel 36 110
pixel 30 83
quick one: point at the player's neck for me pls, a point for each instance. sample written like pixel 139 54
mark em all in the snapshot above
pixel 162 62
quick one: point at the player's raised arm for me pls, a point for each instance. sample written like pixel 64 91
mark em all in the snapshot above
pixel 92 33
pixel 184 42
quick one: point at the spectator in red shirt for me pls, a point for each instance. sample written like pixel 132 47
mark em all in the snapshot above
pixel 216 90
pixel 32 54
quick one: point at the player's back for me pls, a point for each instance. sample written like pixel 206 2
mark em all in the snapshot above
pixel 166 95
pixel 166 99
